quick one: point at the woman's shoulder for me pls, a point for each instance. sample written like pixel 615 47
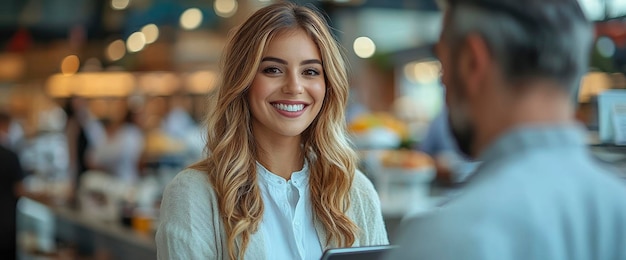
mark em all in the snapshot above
pixel 190 174
pixel 362 186
pixel 366 212
pixel 190 183
pixel 189 222
pixel 188 195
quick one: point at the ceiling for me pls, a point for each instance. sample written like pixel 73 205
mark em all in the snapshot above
pixel 46 20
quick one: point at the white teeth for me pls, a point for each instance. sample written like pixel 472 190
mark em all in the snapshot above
pixel 289 108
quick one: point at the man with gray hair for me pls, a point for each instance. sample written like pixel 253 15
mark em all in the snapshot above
pixel 511 68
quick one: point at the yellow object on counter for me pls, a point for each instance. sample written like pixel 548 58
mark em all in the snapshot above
pixel 366 122
pixel 407 159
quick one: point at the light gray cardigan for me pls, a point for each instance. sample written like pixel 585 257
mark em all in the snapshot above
pixel 190 226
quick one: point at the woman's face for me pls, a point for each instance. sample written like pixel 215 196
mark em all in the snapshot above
pixel 289 87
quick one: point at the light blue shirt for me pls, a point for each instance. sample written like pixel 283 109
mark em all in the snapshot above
pixel 539 194
pixel 287 223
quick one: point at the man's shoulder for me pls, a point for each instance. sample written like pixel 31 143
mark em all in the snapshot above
pixel 445 233
pixel 572 172
pixel 519 188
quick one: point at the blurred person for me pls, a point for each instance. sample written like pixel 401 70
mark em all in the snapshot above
pixel 172 139
pixel 117 143
pixel 77 111
pixel 452 167
pixel 280 179
pixel 11 188
pixel 177 123
pixel 36 135
pixel 14 135
pixel 77 136
pixel 510 68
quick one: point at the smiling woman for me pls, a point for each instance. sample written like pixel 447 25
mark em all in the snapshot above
pixel 288 91
pixel 280 179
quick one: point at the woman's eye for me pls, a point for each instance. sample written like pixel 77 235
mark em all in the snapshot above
pixel 311 72
pixel 271 70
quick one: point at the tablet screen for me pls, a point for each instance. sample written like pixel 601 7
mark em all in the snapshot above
pixel 354 253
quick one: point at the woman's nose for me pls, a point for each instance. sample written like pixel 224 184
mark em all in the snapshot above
pixel 293 85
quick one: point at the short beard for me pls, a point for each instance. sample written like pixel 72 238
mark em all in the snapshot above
pixel 461 127
pixel 462 131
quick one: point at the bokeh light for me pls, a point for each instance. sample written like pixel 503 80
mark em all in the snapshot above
pixel 225 8
pixel 70 65
pixel 605 46
pixel 119 4
pixel 116 50
pixel 191 19
pixel 200 82
pixel 136 42
pixel 422 72
pixel 151 32
pixel 364 47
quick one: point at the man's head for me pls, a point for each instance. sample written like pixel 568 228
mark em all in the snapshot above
pixel 492 49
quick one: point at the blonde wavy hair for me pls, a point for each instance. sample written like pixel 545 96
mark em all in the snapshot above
pixel 231 147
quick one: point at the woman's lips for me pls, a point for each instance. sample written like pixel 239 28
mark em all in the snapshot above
pixel 290 109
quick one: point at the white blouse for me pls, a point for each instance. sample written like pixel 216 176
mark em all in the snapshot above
pixel 287 224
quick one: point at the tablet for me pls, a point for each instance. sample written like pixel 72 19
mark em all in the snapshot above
pixel 357 253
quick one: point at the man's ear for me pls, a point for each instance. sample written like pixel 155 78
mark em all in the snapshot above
pixel 475 64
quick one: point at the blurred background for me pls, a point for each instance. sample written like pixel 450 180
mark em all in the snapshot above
pixel 104 100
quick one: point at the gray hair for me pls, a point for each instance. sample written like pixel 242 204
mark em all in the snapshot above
pixel 547 39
